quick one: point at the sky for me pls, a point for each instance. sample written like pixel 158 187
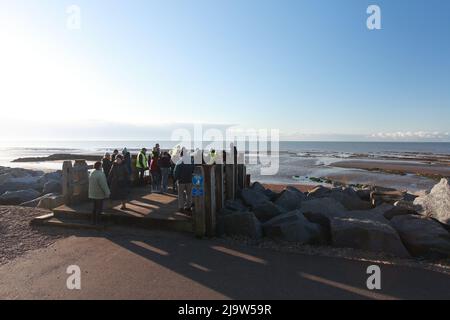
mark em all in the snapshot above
pixel 309 68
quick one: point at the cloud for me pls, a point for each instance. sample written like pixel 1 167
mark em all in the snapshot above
pixel 412 136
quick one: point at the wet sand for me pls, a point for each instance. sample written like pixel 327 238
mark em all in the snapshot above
pixel 430 170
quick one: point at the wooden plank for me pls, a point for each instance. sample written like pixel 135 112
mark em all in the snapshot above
pixel 199 208
pixel 220 187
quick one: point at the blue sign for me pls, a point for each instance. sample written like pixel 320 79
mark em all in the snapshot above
pixel 197 186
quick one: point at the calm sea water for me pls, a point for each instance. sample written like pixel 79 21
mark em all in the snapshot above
pixel 46 147
pixel 297 158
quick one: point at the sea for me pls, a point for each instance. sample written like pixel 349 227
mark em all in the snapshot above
pixel 297 161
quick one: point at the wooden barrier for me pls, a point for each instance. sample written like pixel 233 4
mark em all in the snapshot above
pixel 75 181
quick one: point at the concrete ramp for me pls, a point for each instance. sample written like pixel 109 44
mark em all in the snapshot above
pixel 146 210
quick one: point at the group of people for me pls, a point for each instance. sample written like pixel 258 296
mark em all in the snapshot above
pixel 111 177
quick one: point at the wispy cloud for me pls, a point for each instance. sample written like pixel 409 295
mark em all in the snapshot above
pixel 412 135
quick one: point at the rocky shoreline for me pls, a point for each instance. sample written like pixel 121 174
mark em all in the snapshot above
pixel 30 188
pixel 372 219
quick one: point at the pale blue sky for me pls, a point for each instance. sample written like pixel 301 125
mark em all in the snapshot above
pixel 309 68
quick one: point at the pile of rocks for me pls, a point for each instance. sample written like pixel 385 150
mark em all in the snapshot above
pixel 372 219
pixel 30 188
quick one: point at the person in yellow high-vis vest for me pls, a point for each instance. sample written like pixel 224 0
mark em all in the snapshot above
pixel 142 165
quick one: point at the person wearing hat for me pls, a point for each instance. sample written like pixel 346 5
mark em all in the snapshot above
pixel 106 164
pixel 142 165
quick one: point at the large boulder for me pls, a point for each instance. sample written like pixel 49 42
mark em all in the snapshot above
pixel 52 186
pixel 379 196
pixel 365 234
pixel 436 204
pixel 253 198
pixel 18 197
pixel 400 208
pixel 267 210
pixel 256 186
pixel 293 226
pixel 235 205
pixel 350 199
pixel 318 192
pixel 239 223
pixel 290 199
pixel 423 237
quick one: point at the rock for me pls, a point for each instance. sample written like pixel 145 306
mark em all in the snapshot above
pixel 364 194
pixel 52 186
pixel 436 204
pixel 408 197
pixel 267 210
pixel 20 185
pixel 367 235
pixel 18 197
pixel 256 186
pixel 319 191
pixel 326 206
pixel 235 205
pixel 375 214
pixel 350 199
pixel 290 199
pixel 321 211
pixel 239 223
pixel 379 197
pixel 271 195
pixel 400 208
pixel 253 198
pixel 423 237
pixel 293 226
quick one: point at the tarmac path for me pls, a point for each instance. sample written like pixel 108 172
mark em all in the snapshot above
pixel 167 265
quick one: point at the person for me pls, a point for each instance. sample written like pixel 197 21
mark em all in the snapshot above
pixel 106 164
pixel 183 174
pixel 119 180
pixel 114 155
pixel 98 191
pixel 127 160
pixel 156 175
pixel 212 156
pixel 164 165
pixel 142 165
pixel 157 149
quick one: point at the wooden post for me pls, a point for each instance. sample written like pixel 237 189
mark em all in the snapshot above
pixel 230 182
pixel 248 180
pixel 210 200
pixel 80 178
pixel 241 176
pixel 67 186
pixel 198 197
pixel 220 196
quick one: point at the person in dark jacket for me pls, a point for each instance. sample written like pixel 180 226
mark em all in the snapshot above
pixel 183 174
pixel 106 164
pixel 114 155
pixel 127 159
pixel 164 166
pixel 119 180
pixel 156 174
